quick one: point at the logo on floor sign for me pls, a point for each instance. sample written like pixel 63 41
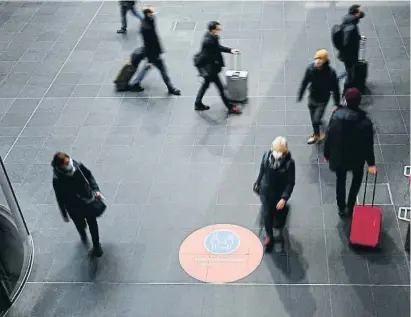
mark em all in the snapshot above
pixel 221 242
pixel 220 253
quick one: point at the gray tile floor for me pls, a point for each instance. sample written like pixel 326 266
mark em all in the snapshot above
pixel 167 170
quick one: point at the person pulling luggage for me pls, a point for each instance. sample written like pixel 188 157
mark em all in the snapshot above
pixel 322 80
pixel 275 184
pixel 349 143
pixel 209 62
pixel 153 51
pixel 126 6
pixel 76 193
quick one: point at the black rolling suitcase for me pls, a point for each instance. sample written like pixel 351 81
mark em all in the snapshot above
pixel 407 240
pixel 128 70
pixel 361 70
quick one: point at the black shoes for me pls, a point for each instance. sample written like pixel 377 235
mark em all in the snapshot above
pixel 136 88
pixel 174 91
pixel 122 31
pixel 201 107
pixel 96 252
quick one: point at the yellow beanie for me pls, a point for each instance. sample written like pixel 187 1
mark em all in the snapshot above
pixel 321 54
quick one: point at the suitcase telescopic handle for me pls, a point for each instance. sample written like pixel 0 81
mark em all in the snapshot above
pixel 236 61
pixel 365 188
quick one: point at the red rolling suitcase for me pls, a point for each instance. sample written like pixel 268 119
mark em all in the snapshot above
pixel 366 222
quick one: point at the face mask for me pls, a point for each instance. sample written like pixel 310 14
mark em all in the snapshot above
pixel 277 155
pixel 70 167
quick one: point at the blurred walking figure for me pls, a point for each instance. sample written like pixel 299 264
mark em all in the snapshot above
pixel 209 61
pixel 348 145
pixel 126 6
pixel 322 80
pixel 274 185
pixel 78 195
pixel 152 51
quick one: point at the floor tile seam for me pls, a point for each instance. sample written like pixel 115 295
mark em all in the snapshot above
pixel 54 79
pixel 11 70
pixel 235 284
pixel 398 30
pixel 193 96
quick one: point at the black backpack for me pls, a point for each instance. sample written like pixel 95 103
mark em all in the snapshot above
pixel 198 59
pixel 337 36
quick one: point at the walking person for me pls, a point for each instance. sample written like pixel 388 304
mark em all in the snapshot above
pixel 210 64
pixel 77 194
pixel 348 145
pixel 322 79
pixel 350 45
pixel 152 51
pixel 274 185
pixel 126 6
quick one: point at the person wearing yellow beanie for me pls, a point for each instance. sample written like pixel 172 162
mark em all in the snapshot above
pixel 322 79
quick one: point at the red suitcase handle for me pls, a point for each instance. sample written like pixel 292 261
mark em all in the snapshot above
pixel 365 189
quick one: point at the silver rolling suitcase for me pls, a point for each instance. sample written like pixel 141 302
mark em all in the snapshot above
pixel 236 81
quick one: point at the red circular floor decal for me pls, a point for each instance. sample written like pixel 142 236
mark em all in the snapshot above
pixel 220 253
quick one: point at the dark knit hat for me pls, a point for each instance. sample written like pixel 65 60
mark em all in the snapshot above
pixel 353 97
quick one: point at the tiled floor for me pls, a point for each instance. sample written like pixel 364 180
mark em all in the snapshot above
pixel 168 170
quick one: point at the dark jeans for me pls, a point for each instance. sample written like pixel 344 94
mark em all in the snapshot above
pixel 354 189
pixel 160 65
pixel 123 11
pixel 214 78
pixel 316 114
pixel 82 222
pixel 271 216
pixel 349 78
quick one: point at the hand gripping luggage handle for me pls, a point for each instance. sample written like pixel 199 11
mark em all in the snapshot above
pixel 365 188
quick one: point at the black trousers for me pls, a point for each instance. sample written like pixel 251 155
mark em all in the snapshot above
pixel 123 11
pixel 214 78
pixel 161 66
pixel 358 174
pixel 81 223
pixel 272 217
pixel 317 110
pixel 349 79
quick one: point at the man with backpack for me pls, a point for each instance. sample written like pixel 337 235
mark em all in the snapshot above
pixel 322 80
pixel 209 63
pixel 346 39
pixel 349 144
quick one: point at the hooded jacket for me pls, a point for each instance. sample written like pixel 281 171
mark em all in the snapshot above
pixel 276 183
pixel 212 59
pixel 72 190
pixel 152 45
pixel 351 39
pixel 322 81
pixel 349 141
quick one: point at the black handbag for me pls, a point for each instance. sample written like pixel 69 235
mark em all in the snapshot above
pixel 97 205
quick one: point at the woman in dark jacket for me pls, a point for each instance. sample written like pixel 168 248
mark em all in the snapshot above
pixel 274 185
pixel 76 190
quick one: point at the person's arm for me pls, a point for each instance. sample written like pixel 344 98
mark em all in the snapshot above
pixel 224 49
pixel 90 178
pixel 328 139
pixel 290 182
pixel 137 13
pixel 59 192
pixel 369 145
pixel 261 173
pixel 335 89
pixel 304 84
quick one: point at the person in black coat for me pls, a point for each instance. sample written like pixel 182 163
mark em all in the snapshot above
pixel 210 65
pixel 126 6
pixel 153 51
pixel 322 80
pixel 351 43
pixel 75 188
pixel 275 184
pixel 349 143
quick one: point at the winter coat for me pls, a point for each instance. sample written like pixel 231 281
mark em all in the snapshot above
pixel 322 81
pixel 212 59
pixel 276 183
pixel 73 191
pixel 349 141
pixel 152 45
pixel 351 39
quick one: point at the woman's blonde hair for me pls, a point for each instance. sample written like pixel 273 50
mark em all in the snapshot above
pixel 280 144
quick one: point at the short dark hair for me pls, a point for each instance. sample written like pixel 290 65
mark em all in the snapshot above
pixel 58 159
pixel 146 11
pixel 354 9
pixel 213 25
